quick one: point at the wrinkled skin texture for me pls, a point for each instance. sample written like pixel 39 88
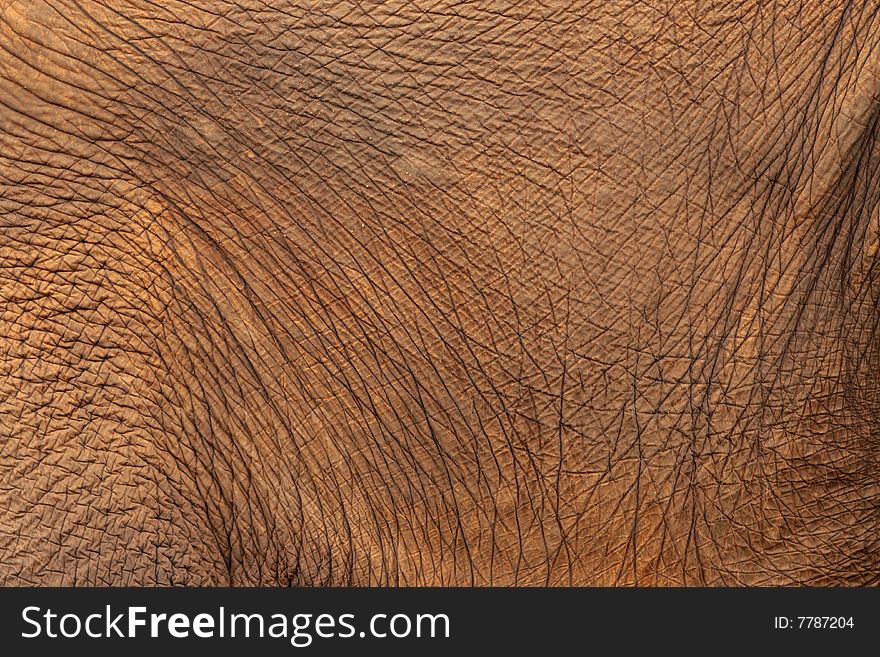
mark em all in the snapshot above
pixel 419 293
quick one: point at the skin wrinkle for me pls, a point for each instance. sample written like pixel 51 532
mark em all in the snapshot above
pixel 424 293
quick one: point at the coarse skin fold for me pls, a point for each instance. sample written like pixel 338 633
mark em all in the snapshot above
pixel 420 293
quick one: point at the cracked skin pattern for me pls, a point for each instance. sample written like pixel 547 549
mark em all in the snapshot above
pixel 439 293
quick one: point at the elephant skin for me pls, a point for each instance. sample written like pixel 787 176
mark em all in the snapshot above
pixel 439 293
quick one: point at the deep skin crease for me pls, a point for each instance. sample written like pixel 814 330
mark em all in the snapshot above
pixel 458 293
